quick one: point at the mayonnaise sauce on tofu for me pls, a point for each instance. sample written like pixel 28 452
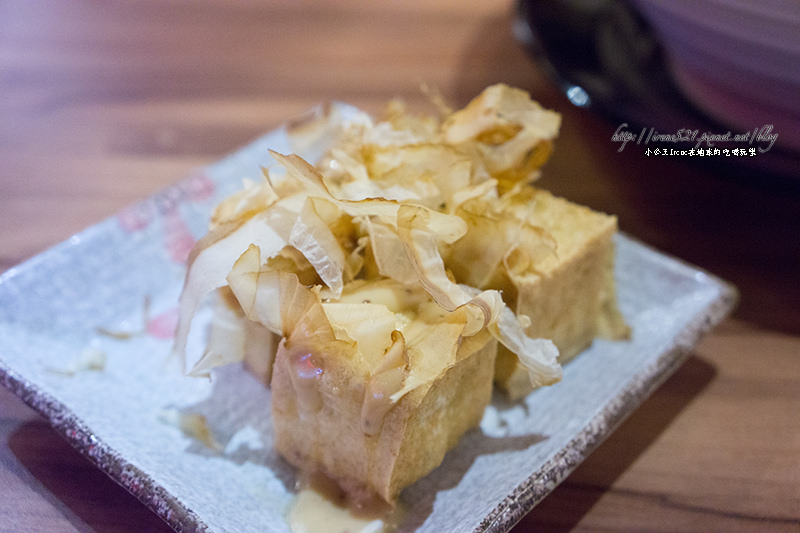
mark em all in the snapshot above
pixel 320 505
pixel 313 513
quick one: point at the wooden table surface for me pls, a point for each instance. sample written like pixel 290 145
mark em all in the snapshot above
pixel 105 103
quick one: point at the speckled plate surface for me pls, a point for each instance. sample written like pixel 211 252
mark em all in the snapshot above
pixel 109 294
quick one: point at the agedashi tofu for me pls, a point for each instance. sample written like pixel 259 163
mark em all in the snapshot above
pixel 382 291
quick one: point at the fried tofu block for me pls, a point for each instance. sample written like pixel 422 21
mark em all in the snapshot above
pixel 568 296
pixel 319 421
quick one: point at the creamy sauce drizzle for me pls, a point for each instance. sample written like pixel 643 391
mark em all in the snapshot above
pixel 322 506
pixel 311 512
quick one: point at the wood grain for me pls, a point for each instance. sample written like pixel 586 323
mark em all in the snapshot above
pixel 102 104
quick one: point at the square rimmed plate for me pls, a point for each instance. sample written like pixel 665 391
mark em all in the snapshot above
pixel 109 295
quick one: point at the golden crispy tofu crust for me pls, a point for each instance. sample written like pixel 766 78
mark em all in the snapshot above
pixel 570 298
pixel 417 431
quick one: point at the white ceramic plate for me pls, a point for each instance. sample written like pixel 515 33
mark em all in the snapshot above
pixel 60 306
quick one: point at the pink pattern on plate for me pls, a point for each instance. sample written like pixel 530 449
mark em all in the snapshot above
pixel 179 240
pixel 135 218
pixel 163 326
pixel 199 187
